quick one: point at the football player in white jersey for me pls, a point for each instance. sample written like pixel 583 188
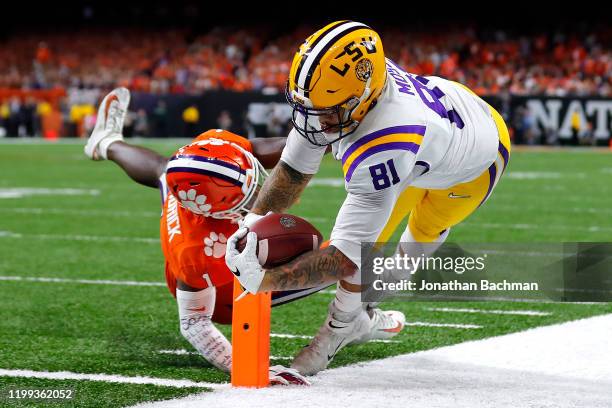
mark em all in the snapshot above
pixel 410 146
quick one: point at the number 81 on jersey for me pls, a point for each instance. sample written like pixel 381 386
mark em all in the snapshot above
pixel 380 175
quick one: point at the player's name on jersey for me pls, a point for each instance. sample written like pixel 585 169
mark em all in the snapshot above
pixel 454 285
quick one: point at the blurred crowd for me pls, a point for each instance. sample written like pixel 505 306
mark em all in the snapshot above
pixel 175 61
pixel 78 68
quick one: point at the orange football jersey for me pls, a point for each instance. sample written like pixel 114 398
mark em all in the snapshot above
pixel 194 245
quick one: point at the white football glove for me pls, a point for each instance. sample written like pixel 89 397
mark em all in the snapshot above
pixel 280 375
pixel 245 266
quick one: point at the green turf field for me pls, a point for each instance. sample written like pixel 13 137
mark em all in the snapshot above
pixel 63 216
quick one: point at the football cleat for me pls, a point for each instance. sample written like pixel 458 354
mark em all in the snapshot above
pixel 385 324
pixel 109 123
pixel 338 331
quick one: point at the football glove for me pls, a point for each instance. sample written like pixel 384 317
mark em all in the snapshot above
pixel 245 266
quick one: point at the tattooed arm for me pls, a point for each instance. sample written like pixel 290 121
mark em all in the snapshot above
pixel 308 270
pixel 281 189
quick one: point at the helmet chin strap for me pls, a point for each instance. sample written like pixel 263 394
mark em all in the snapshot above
pixel 364 96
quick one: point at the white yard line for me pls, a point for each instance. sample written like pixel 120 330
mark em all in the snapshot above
pixel 485 311
pixel 87 213
pixel 544 227
pixel 183 352
pixel 20 192
pixel 85 281
pixel 92 238
pixel 563 366
pixel 113 378
pixel 326 182
pixel 448 325
pixel 556 210
pixel 303 336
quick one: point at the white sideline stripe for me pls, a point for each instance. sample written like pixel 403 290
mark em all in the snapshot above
pixel 326 182
pixel 183 352
pixel 96 238
pixel 324 292
pixel 88 213
pixel 289 336
pixel 106 282
pixel 67 375
pixel 20 192
pixel 484 311
pixel 85 281
pixel 491 225
pixel 563 366
pixel 303 336
pixel 449 325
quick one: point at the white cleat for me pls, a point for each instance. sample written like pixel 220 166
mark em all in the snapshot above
pixel 109 123
pixel 385 325
pixel 331 338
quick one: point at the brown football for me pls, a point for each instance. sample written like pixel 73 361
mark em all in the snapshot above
pixel 281 238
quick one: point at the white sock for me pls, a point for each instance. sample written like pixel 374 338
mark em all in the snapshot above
pixel 195 312
pixel 106 142
pixel 346 304
pixel 410 247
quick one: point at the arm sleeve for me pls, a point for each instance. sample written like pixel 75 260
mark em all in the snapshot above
pixel 301 155
pixel 362 217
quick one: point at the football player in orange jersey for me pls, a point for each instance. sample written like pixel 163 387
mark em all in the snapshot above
pixel 207 186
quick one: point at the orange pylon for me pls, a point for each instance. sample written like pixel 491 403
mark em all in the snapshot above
pixel 251 339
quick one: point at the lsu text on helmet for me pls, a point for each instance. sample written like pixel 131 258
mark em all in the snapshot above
pixel 338 72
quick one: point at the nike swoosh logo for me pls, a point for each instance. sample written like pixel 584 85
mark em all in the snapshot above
pixel 332 91
pixel 395 329
pixel 453 195
pixel 198 309
pixel 107 106
pixel 335 327
pixel 330 357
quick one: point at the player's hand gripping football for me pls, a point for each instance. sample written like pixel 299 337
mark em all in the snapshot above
pixel 245 266
pixel 280 375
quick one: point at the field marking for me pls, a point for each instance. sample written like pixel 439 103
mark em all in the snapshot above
pixel 485 311
pixel 20 192
pixel 303 336
pixel 444 325
pixel 562 210
pixel 539 175
pixel 93 238
pixel 326 182
pixel 563 366
pixel 183 352
pixel 88 213
pixel 593 228
pixel 84 281
pixel 67 375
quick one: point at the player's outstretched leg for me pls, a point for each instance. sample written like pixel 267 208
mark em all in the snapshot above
pixel 109 123
pixel 143 165
pixel 339 329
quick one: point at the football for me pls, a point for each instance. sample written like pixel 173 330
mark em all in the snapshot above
pixel 282 238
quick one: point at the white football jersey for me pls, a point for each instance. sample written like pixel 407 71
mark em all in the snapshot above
pixel 426 132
